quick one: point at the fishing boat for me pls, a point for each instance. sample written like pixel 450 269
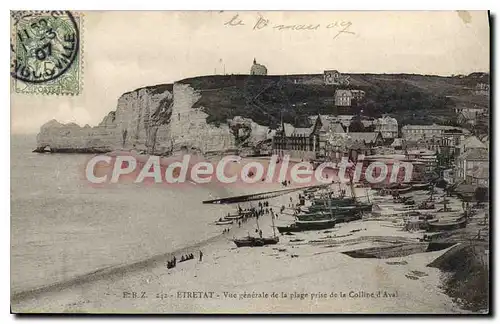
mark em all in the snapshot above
pixel 333 201
pixel 379 210
pixel 233 217
pixel 396 189
pixel 401 200
pixel 335 209
pixel 314 216
pixel 250 241
pixel 420 186
pixel 426 205
pixel 448 225
pixel 300 226
pixel 224 222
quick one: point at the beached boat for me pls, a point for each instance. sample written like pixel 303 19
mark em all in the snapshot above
pixel 334 209
pixel 224 222
pixel 426 205
pixel 379 210
pixel 396 189
pixel 251 241
pixel 448 225
pixel 315 216
pixel 333 201
pixel 300 226
pixel 233 217
pixel 420 186
pixel 402 200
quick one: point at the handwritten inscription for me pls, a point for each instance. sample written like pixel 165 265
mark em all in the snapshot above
pixel 261 23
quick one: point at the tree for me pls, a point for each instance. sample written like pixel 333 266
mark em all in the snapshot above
pixel 356 125
pixel 481 194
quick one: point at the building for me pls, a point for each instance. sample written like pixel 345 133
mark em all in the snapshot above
pixel 343 98
pixel 336 128
pixel 344 120
pixel 258 69
pixel 469 160
pixel 482 89
pixel 470 115
pixel 448 143
pixel 468 143
pixel 304 143
pixel 418 132
pixel 333 77
pixel 387 126
pixel 358 94
pixel 369 139
pixel 470 110
pixel 478 176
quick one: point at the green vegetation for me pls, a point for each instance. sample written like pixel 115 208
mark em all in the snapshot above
pixel 412 99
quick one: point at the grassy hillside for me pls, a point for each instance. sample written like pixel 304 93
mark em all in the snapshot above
pixel 410 98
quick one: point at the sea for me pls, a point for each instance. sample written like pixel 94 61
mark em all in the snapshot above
pixel 63 228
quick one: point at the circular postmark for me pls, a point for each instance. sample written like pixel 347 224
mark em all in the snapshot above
pixel 45 45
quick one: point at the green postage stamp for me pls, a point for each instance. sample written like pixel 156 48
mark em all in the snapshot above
pixel 46 52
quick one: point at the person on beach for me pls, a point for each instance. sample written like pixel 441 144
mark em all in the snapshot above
pixel 260 233
pixel 201 256
pixel 239 224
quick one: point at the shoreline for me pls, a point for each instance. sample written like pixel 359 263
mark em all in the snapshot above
pixel 288 267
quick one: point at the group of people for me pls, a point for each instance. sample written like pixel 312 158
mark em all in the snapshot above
pixel 247 213
pixel 285 183
pixel 172 263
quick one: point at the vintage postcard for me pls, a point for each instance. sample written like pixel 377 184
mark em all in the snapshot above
pixel 252 162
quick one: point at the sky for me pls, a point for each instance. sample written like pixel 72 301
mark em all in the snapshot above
pixel 126 50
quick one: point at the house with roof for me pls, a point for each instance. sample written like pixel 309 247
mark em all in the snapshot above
pixel 301 142
pixel 478 176
pixel 470 115
pixel 387 126
pixel 417 132
pixel 470 142
pixel 369 139
pixel 343 98
pixel 469 160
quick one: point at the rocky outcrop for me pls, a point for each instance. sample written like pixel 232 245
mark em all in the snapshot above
pixel 188 126
pixel 140 122
pixel 155 120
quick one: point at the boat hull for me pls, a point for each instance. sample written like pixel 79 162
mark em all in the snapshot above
pixel 438 227
pixel 302 226
pixel 255 241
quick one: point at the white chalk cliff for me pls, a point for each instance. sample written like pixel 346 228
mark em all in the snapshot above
pixel 156 120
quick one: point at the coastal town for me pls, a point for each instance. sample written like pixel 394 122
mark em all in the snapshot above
pixel 445 204
pixel 268 168
pixel 431 225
